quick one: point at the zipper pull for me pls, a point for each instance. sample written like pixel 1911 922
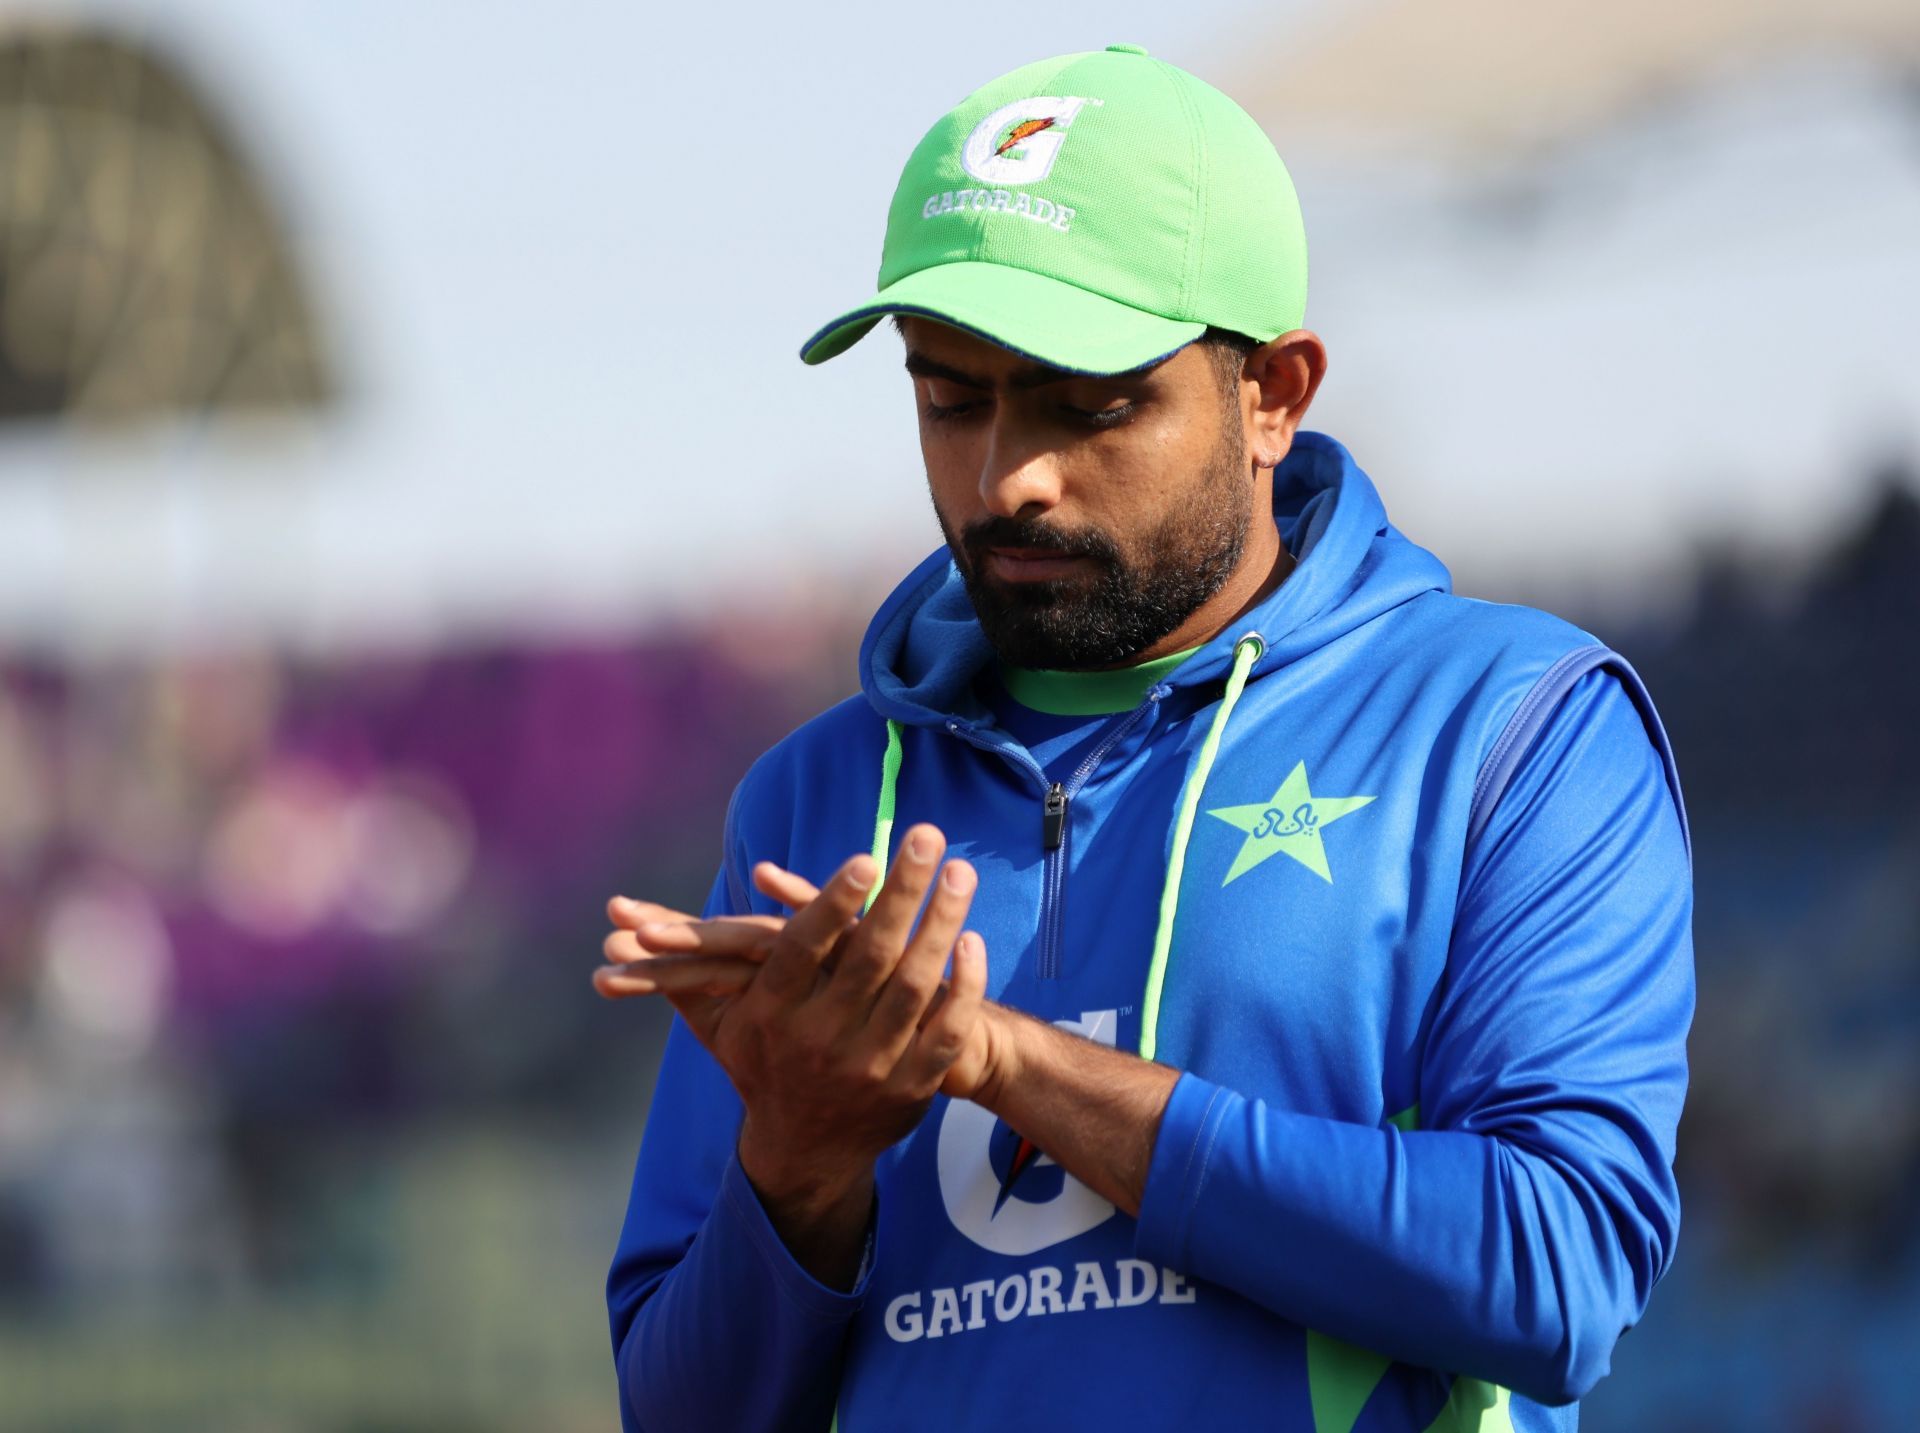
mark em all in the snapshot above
pixel 1053 817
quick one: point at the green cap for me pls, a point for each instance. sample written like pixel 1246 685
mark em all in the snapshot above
pixel 1094 212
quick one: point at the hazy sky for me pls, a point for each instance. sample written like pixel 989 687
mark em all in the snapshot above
pixel 568 253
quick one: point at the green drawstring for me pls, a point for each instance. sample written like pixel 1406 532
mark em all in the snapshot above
pixel 1245 653
pixel 883 815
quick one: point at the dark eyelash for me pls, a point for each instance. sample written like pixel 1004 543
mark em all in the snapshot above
pixel 1107 417
pixel 1104 418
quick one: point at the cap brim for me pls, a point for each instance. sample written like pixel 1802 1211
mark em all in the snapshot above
pixel 1044 319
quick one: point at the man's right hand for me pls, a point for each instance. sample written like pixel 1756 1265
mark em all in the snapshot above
pixel 841 1037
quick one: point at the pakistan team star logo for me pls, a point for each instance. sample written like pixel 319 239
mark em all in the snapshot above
pixel 1291 822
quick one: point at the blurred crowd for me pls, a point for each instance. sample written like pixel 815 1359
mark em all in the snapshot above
pixel 1793 702
pixel 246 898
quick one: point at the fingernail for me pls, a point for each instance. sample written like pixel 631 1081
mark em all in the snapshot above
pixel 919 847
pixel 860 874
pixel 955 878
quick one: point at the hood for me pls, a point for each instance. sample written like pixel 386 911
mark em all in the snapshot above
pixel 925 645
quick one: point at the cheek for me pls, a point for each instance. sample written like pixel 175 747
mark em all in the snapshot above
pixel 1143 467
pixel 950 453
pixel 951 485
pixel 1186 452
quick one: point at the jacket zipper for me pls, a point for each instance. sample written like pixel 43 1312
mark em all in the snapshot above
pixel 1054 799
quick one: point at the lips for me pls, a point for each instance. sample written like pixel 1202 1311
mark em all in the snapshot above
pixel 1030 564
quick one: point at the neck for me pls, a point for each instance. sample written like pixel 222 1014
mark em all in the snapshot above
pixel 1086 693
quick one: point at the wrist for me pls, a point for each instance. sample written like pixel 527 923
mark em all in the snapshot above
pixel 802 1181
pixel 1008 1033
pixel 821 1210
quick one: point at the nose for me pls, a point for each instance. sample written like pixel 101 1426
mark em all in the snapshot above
pixel 1018 479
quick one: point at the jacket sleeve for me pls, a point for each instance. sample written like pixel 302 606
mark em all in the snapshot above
pixel 1520 1230
pixel 714 1323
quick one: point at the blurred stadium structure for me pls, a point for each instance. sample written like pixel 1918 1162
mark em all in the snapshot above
pixel 143 271
pixel 1487 77
pixel 308 1119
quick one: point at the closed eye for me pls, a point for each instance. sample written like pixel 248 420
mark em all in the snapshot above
pixel 948 412
pixel 1111 416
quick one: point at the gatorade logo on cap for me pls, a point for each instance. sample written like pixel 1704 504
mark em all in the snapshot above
pixel 1018 142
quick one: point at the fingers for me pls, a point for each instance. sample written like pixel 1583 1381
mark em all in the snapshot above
pixel 628 912
pixel 749 937
pixel 676 975
pixel 622 946
pixel 942 1039
pixel 793 962
pixel 783 885
pixel 875 948
pixel 902 1002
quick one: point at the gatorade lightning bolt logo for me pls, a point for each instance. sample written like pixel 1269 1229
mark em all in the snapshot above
pixel 1016 144
pixel 1029 1203
pixel 1017 1166
pixel 1022 131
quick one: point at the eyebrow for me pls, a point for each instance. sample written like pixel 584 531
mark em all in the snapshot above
pixel 1021 379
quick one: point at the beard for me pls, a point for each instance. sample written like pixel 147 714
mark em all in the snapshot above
pixel 1124 601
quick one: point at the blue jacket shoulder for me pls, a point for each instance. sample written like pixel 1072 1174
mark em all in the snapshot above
pixel 1527 661
pixel 1508 635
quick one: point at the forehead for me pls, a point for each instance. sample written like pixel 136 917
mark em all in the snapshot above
pixel 968 353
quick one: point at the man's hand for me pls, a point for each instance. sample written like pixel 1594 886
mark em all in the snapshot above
pixel 695 985
pixel 835 1028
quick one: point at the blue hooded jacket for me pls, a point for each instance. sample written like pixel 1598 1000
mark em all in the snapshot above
pixel 1399 880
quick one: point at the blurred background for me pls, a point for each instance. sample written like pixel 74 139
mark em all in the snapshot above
pixel 414 517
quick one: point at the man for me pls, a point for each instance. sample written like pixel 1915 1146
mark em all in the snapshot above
pixel 1273 1013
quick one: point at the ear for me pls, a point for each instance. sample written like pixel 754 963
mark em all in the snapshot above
pixel 1277 384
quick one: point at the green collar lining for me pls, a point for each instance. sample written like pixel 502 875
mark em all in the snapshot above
pixel 1087 693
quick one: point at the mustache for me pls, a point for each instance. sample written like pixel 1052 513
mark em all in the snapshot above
pixel 1031 532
